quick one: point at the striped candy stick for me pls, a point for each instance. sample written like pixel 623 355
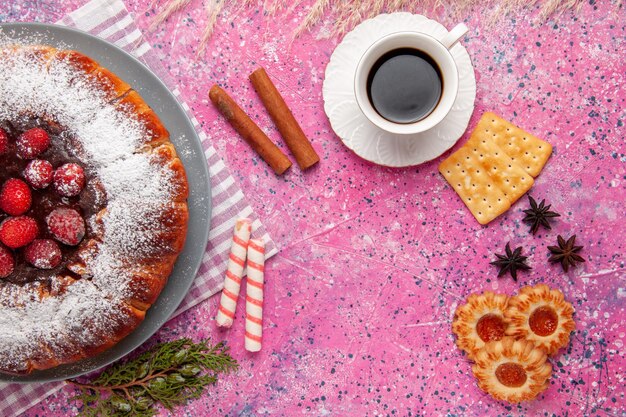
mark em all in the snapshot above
pixel 254 296
pixel 234 273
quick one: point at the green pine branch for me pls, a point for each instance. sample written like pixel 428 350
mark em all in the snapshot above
pixel 170 373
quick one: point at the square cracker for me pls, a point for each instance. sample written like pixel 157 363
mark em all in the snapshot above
pixel 529 151
pixel 480 193
pixel 508 175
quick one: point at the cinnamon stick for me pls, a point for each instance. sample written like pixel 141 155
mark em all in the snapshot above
pixel 249 131
pixel 287 125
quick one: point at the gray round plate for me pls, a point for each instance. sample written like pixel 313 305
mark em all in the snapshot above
pixel 190 151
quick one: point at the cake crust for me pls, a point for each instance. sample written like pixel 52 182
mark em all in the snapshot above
pixel 135 179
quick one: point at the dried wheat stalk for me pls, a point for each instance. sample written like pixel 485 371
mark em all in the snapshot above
pixel 214 7
pixel 313 17
pixel 172 7
pixel 347 14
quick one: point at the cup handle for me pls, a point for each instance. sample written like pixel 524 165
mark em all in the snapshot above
pixel 454 35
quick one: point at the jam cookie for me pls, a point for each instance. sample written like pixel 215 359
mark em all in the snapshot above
pixel 512 370
pixel 479 321
pixel 541 314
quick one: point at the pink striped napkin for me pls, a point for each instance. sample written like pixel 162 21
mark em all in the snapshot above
pixel 110 20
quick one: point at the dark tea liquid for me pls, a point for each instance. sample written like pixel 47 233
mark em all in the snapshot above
pixel 404 85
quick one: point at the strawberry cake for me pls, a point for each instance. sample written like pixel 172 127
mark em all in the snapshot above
pixel 93 210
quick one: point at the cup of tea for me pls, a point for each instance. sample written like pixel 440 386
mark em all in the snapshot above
pixel 406 82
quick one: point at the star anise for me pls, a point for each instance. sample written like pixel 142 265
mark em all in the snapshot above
pixel 511 262
pixel 538 215
pixel 566 252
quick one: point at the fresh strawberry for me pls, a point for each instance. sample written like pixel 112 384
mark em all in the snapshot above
pixel 69 179
pixel 16 232
pixel 66 225
pixel 7 262
pixel 43 254
pixel 38 173
pixel 15 197
pixel 4 142
pixel 32 142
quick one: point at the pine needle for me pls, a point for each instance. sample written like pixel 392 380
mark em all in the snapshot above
pixel 170 373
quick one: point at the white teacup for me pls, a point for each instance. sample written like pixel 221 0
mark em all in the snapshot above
pixel 439 52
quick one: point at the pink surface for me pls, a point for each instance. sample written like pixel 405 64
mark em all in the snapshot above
pixel 374 260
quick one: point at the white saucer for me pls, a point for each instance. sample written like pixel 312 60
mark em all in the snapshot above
pixel 363 137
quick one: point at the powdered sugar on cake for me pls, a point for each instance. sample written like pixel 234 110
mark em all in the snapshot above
pixel 109 141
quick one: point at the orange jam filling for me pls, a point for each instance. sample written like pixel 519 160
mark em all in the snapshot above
pixel 490 327
pixel 511 375
pixel 543 321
